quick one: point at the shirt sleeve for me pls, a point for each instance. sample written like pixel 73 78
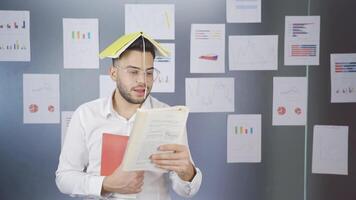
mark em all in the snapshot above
pixel 185 188
pixel 71 177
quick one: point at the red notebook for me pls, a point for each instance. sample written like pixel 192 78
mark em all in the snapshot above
pixel 112 152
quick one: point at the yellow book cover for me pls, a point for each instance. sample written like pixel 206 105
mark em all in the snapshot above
pixel 120 45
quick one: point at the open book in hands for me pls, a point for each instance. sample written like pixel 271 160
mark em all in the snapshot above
pixel 153 128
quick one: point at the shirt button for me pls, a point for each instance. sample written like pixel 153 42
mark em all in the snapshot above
pixel 187 187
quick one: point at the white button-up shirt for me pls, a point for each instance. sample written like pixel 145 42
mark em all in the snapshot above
pixel 78 172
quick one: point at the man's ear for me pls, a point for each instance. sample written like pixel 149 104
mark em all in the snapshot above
pixel 113 72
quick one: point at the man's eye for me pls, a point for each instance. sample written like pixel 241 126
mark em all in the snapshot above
pixel 149 73
pixel 133 72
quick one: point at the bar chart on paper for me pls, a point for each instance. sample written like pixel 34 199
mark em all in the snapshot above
pixel 80 43
pixel 243 130
pixel 343 77
pixel 302 39
pixel 14 36
pixel 244 138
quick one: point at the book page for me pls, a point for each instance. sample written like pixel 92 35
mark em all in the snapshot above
pixel 152 128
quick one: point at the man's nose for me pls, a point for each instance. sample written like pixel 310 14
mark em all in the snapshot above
pixel 141 76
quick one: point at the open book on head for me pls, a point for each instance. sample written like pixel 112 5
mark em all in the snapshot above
pixel 115 49
pixel 153 128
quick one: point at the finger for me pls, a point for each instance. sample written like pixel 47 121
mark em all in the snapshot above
pixel 177 169
pixel 170 162
pixel 140 185
pixel 172 147
pixel 169 156
pixel 140 179
pixel 136 184
pixel 131 190
pixel 140 172
pixel 137 190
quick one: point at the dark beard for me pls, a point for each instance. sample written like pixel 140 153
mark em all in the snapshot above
pixel 126 95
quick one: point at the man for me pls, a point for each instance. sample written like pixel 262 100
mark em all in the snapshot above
pixel 78 171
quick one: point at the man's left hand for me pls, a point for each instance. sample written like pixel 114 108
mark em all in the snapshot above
pixel 175 157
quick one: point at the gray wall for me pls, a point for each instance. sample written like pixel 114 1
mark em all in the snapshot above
pixel 29 153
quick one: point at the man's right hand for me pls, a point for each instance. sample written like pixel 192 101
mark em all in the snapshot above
pixel 123 182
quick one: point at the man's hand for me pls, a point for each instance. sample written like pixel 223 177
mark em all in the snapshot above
pixel 123 182
pixel 175 157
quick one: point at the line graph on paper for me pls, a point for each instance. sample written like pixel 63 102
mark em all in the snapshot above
pixel 210 94
pixel 253 52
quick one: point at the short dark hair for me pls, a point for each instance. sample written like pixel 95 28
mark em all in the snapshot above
pixel 138 46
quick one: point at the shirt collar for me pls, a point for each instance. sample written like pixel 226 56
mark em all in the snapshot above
pixel 108 106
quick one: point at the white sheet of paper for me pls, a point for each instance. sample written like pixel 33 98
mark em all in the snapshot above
pixel 157 20
pixel 106 86
pixel 66 116
pixel 243 138
pixel 243 11
pixel 41 98
pixel 15 36
pixel 207 48
pixel 330 150
pixel 289 101
pixel 166 65
pixel 80 43
pixel 302 40
pixel 253 52
pixel 343 77
pixel 210 94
